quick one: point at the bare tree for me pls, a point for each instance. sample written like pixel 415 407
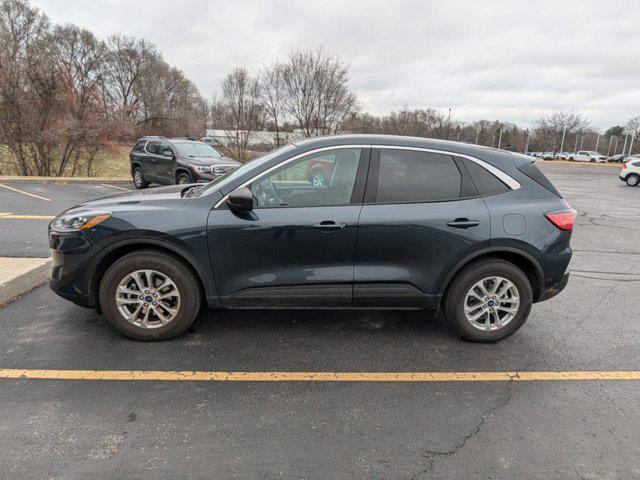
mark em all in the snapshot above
pixel 550 129
pixel 239 109
pixel 633 129
pixel 317 92
pixel 274 96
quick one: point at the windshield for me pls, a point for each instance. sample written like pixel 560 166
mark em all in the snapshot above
pixel 246 168
pixel 195 149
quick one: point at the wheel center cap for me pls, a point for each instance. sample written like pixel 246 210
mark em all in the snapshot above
pixel 148 299
pixel 491 303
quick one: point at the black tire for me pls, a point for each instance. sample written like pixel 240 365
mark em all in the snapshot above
pixel 633 179
pixel 179 272
pixel 571 159
pixel 454 299
pixel 183 178
pixel 593 160
pixel 138 179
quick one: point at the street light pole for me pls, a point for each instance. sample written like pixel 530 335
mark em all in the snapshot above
pixel 564 132
pixel 581 142
pixel 624 147
pixel 615 148
pixel 575 147
pixel 500 139
pixel 631 144
pixel 597 142
pixel 609 149
pixel 449 123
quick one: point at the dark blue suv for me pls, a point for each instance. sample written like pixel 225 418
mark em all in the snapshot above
pixel 400 223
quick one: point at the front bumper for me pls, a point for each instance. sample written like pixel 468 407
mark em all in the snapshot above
pixel 70 275
pixel 555 289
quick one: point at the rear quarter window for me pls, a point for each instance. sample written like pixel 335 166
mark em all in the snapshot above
pixel 534 173
pixel 139 146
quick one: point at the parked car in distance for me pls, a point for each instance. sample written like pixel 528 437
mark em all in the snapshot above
pixel 169 161
pixel 476 232
pixel 617 158
pixel 630 172
pixel 547 155
pixel 587 156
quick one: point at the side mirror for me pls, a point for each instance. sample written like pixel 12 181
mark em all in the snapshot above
pixel 168 153
pixel 241 200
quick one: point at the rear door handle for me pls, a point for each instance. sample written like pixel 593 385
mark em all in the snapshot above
pixel 463 223
pixel 329 226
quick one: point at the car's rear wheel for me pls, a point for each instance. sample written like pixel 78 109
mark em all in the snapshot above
pixel 633 179
pixel 488 300
pixel 138 179
pixel 150 295
pixel 183 178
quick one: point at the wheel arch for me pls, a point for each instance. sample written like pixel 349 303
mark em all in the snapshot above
pixel 180 170
pixel 135 164
pixel 523 260
pixel 119 249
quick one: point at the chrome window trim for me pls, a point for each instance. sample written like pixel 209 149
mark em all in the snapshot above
pixel 512 183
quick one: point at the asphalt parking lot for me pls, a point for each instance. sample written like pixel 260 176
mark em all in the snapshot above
pixel 565 429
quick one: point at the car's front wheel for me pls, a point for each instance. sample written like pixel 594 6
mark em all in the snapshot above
pixel 488 300
pixel 183 178
pixel 150 295
pixel 633 179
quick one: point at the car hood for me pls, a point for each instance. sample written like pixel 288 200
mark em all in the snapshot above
pixel 153 198
pixel 207 161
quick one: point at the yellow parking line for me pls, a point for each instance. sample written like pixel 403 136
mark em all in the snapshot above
pixel 114 186
pixel 27 217
pixel 25 193
pixel 314 376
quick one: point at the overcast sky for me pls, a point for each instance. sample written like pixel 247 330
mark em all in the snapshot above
pixel 506 60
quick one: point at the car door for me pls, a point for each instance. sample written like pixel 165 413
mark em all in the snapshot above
pixel 166 163
pixel 421 216
pixel 296 247
pixel 150 167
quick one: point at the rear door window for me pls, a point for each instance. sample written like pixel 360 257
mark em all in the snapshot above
pixel 406 176
pixel 486 182
pixel 153 147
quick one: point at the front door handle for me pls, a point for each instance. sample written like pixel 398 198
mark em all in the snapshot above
pixel 463 223
pixel 329 226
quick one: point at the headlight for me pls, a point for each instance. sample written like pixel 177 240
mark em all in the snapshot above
pixel 201 169
pixel 73 222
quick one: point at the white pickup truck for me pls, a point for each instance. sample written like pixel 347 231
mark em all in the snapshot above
pixel 587 156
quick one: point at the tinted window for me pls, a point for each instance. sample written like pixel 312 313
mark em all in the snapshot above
pixel 318 179
pixel 153 147
pixel 486 182
pixel 413 176
pixel 138 147
pixel 165 148
pixel 534 173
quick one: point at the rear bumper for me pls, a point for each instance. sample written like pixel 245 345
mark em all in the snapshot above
pixel 555 289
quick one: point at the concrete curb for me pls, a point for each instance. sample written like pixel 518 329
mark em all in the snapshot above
pixel 64 179
pixel 19 275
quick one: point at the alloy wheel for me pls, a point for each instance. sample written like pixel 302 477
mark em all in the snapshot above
pixel 491 303
pixel 147 299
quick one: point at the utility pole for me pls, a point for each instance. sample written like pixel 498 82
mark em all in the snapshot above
pixel 597 142
pixel 564 132
pixel 581 142
pixel 631 143
pixel 449 123
pixel 500 139
pixel 615 149
pixel 575 147
pixel 624 147
pixel 478 137
pixel 609 149
pixel 526 144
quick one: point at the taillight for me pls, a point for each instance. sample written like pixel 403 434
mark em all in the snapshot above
pixel 564 219
pixel 626 165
